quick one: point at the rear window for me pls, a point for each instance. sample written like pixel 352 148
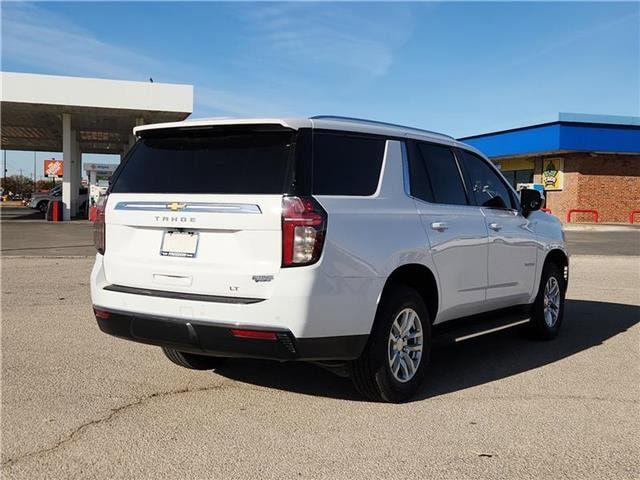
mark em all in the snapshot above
pixel 346 164
pixel 208 161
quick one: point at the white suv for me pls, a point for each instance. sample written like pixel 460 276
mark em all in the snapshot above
pixel 344 242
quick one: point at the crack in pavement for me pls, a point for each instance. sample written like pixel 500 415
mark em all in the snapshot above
pixel 114 411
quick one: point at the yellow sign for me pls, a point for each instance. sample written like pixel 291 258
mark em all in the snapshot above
pixel 516 164
pixel 552 171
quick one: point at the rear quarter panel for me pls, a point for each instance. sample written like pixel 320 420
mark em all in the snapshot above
pixel 367 239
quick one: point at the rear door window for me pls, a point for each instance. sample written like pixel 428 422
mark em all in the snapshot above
pixel 227 161
pixel 346 164
pixel 444 175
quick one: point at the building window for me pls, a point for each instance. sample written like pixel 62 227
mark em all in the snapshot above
pixel 514 177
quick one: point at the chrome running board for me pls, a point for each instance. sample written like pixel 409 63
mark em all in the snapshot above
pixel 491 330
pixel 456 331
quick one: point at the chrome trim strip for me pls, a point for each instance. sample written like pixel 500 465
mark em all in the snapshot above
pixel 199 297
pixel 190 207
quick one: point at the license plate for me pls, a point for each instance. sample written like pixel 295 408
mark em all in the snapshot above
pixel 179 244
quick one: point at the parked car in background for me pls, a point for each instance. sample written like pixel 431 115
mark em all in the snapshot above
pixel 343 242
pixel 40 200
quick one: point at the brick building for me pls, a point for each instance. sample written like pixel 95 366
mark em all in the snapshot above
pixel 582 161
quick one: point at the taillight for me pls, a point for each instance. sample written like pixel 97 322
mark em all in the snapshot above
pixel 304 223
pixel 99 227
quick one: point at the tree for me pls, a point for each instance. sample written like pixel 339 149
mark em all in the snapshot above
pixel 17 184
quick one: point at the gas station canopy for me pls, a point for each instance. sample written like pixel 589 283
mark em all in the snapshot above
pixel 82 115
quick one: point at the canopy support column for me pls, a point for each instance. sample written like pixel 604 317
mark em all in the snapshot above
pixel 71 170
pixel 67 172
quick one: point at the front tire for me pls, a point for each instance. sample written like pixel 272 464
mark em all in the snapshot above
pixel 191 361
pixel 394 362
pixel 548 308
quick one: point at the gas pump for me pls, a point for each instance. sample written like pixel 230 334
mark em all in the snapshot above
pixel 98 174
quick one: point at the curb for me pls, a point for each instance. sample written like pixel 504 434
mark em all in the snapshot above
pixel 604 227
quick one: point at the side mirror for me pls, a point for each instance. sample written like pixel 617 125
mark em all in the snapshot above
pixel 531 200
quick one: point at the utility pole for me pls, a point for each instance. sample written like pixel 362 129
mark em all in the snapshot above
pixel 34 172
pixel 4 183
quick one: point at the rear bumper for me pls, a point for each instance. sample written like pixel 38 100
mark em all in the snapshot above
pixel 217 340
pixel 304 301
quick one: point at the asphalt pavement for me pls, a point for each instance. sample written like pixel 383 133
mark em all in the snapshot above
pixel 77 403
pixel 24 232
pixel 614 241
pixel 18 212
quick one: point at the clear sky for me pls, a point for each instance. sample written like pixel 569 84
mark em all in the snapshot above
pixel 460 68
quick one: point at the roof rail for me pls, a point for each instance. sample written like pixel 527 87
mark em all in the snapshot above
pixel 376 122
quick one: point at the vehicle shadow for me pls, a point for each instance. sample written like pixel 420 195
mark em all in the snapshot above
pixel 460 366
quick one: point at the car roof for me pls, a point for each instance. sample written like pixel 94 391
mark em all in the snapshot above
pixel 326 122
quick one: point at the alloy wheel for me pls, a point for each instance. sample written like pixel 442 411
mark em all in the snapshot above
pixel 405 345
pixel 551 302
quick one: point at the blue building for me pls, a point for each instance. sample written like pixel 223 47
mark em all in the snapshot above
pixel 582 161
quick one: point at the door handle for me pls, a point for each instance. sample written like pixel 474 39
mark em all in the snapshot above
pixel 439 226
pixel 495 226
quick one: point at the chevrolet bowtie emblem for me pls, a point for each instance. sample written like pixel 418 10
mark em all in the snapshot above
pixel 174 207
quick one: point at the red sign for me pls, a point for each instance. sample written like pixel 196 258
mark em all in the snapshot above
pixel 53 168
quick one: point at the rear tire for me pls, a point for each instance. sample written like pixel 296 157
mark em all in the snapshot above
pixel 394 361
pixel 192 361
pixel 42 207
pixel 548 308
